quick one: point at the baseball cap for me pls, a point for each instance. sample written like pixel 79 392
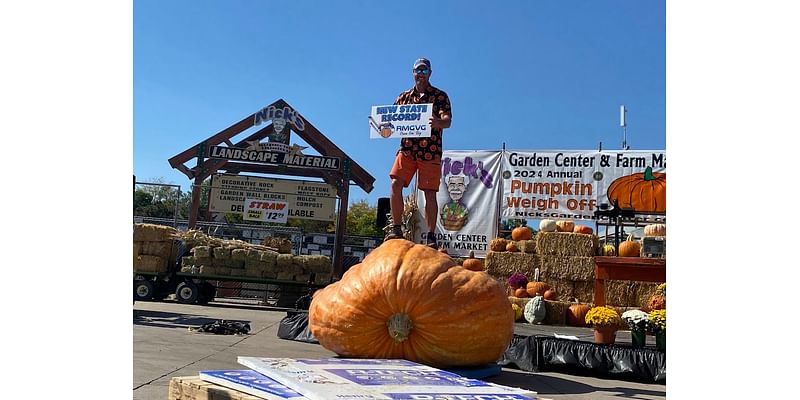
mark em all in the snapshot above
pixel 422 61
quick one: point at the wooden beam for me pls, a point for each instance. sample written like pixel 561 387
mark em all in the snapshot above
pixel 238 167
pixel 341 227
pixel 213 165
pixel 218 138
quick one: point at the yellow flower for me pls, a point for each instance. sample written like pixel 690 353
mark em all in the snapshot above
pixel 599 316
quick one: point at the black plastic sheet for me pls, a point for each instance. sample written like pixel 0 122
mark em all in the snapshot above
pixel 294 326
pixel 540 353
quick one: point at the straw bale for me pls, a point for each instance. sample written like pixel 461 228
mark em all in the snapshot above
pixel 146 263
pixel 318 264
pixel 520 301
pixel 186 269
pixel 284 261
pixel 270 257
pixel 152 232
pixel 617 293
pixel 201 252
pixel 250 263
pixel 284 246
pixel 137 249
pixel 563 287
pixel 556 312
pixel 223 270
pixel 571 268
pixel 501 264
pixel 203 261
pixel 207 270
pixel 566 244
pixel 643 291
pixel 231 263
pixel 239 254
pixel 584 291
pixel 222 253
pixel 161 249
pixel 527 246
pixel 187 261
pixel 253 272
pixel 254 254
pixel 269 275
pixel 299 264
pixel 285 276
pixel 322 278
pixel 302 277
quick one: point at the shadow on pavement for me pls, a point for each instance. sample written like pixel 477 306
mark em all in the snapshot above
pixel 544 385
pixel 168 320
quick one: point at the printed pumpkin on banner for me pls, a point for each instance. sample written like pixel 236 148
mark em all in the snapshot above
pixel 644 192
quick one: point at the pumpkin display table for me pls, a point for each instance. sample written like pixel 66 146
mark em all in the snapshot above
pixel 626 268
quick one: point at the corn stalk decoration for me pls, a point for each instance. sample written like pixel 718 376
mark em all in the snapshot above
pixel 409 221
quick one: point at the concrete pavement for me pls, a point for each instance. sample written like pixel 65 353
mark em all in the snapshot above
pixel 164 347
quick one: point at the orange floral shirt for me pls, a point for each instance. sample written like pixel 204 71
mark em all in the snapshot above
pixel 426 148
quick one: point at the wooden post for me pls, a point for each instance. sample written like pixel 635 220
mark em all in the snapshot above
pixel 197 187
pixel 341 224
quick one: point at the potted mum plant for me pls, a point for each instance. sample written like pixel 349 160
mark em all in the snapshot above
pixel 637 322
pixel 516 281
pixel 606 322
pixel 658 325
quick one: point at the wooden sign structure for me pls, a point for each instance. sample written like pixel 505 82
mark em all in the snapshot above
pixel 334 166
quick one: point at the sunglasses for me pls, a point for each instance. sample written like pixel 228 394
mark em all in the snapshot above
pixel 423 71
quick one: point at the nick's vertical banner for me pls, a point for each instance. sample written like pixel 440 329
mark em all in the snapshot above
pixel 467 202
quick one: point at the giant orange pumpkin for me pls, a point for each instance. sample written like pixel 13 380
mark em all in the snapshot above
pixel 645 191
pixel 409 301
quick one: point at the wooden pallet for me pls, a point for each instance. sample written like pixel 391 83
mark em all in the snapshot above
pixel 194 388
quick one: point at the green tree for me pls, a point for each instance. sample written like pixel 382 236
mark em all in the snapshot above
pixel 361 219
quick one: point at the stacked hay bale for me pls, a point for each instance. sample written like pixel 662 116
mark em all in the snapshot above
pixel 214 256
pixel 153 247
pixel 566 258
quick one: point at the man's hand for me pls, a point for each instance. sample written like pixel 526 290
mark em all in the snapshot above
pixel 440 123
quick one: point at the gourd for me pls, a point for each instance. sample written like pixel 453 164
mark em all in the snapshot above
pixel 608 250
pixel 521 233
pixel 498 244
pixel 550 294
pixel 536 288
pixel 655 230
pixel 576 314
pixel 511 246
pixel 582 229
pixel 547 225
pixel 472 263
pixel 408 301
pixel 518 311
pixel 644 191
pixel 565 226
pixel 629 248
pixel 535 310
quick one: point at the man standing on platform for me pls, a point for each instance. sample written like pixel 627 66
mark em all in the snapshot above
pixel 420 154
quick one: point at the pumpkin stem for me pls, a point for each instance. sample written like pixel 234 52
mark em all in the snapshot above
pixel 648 174
pixel 536 274
pixel 399 327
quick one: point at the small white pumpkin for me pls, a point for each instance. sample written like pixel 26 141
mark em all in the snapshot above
pixel 547 225
pixel 535 310
pixel 655 230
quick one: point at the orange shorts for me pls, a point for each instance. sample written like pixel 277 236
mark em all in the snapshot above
pixel 430 172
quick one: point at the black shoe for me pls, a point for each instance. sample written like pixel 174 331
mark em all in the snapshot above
pixel 396 233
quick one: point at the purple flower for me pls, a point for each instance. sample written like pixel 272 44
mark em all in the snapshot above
pixel 517 280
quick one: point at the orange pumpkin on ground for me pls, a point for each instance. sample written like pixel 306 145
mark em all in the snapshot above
pixel 629 248
pixel 409 301
pixel 521 233
pixel 550 294
pixel 645 191
pixel 536 288
pixel 583 229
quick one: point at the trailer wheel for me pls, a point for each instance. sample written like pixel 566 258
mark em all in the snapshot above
pixel 143 290
pixel 187 292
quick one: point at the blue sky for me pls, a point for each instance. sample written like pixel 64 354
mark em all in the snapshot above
pixel 532 74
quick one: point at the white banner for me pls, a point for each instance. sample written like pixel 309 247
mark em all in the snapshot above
pixel 306 200
pixel 573 184
pixel 467 202
pixel 266 211
pixel 399 121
